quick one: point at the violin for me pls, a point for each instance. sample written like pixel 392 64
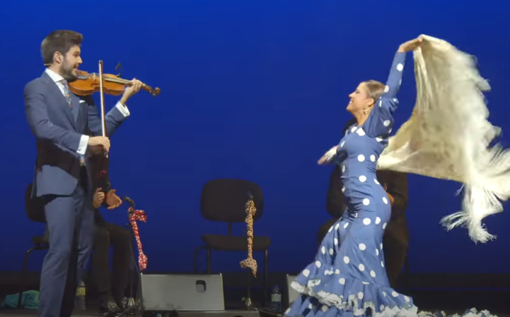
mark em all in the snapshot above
pixel 89 83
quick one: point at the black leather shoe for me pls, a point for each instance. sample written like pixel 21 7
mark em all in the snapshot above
pixel 107 306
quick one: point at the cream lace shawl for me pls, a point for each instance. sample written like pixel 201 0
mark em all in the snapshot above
pixel 448 135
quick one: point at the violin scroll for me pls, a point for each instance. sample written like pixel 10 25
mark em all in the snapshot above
pixel 153 92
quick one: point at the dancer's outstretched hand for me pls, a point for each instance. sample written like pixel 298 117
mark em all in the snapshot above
pixel 410 45
pixel 326 157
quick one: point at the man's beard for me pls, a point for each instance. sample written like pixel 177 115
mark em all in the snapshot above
pixel 67 72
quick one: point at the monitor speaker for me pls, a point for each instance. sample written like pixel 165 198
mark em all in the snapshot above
pixel 181 292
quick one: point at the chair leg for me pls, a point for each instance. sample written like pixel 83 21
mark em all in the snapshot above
pixel 266 272
pixel 208 260
pixel 195 258
pixel 248 303
pixel 23 273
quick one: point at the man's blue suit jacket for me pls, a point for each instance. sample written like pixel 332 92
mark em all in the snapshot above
pixel 58 131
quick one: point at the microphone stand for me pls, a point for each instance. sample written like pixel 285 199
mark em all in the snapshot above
pixel 132 305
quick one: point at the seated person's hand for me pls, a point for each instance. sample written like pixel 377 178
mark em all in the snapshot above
pixel 98 198
pixel 389 195
pixel 391 198
pixel 112 200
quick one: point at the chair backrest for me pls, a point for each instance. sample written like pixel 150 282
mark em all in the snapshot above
pixel 34 206
pixel 225 200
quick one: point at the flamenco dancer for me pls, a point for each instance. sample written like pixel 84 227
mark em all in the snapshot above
pixel 348 277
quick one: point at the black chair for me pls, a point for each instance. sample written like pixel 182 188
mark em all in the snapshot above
pixel 34 208
pixel 224 200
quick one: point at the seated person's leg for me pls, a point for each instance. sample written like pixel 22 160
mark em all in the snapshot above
pixel 323 230
pixel 101 269
pixel 120 239
pixel 395 252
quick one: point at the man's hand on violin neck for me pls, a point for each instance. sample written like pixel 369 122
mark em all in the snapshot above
pixel 135 87
pixel 101 141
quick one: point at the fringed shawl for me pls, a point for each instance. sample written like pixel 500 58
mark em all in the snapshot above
pixel 448 135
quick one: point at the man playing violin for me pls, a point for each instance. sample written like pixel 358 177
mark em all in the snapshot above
pixel 58 119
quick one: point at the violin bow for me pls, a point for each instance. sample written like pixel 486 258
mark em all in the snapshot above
pixel 101 93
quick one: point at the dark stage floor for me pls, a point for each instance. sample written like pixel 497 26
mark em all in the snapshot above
pixel 451 293
pixel 32 313
pixel 91 313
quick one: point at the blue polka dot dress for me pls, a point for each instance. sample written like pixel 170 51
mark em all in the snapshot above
pixel 348 277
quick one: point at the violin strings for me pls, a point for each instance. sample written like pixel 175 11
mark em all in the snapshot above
pixel 119 81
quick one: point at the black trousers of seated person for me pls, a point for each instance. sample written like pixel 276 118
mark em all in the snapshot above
pixel 119 238
pixel 395 248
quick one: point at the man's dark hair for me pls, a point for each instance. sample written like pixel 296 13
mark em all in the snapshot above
pixel 59 41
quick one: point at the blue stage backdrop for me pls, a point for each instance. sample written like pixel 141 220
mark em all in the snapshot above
pixel 250 89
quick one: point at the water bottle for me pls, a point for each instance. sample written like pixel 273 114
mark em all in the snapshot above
pixel 79 300
pixel 276 299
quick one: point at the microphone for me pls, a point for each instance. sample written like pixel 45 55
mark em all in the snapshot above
pixel 129 201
